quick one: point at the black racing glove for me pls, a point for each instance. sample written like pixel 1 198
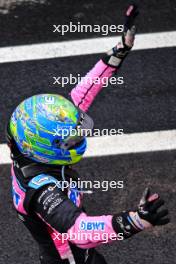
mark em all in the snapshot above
pixel 148 209
pixel 116 55
pixel 146 215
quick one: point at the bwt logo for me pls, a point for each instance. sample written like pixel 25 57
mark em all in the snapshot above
pixel 92 225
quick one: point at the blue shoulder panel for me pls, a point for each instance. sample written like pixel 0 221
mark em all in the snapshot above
pixel 43 179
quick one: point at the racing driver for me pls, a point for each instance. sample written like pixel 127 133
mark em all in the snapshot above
pixel 43 159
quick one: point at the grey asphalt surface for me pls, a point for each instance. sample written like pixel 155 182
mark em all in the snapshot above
pixel 145 102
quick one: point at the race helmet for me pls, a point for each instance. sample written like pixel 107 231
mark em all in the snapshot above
pixel 46 128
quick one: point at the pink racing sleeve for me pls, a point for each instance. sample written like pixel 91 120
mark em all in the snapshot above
pixel 85 92
pixel 91 231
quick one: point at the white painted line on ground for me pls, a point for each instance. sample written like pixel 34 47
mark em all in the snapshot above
pixel 122 144
pixel 132 143
pixel 83 47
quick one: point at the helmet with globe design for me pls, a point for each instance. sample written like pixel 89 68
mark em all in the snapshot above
pixel 41 127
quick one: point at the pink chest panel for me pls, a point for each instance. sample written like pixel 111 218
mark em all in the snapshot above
pixel 18 195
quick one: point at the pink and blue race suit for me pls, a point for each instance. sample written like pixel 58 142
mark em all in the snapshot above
pixel 56 217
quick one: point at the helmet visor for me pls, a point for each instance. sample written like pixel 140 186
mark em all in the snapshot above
pixel 83 129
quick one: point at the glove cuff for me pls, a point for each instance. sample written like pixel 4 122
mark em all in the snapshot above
pixel 116 55
pixel 126 224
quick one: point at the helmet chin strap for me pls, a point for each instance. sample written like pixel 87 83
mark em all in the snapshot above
pixel 77 191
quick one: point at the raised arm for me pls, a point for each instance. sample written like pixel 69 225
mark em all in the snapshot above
pixel 85 92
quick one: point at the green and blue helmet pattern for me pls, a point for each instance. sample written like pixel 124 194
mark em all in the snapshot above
pixel 35 124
